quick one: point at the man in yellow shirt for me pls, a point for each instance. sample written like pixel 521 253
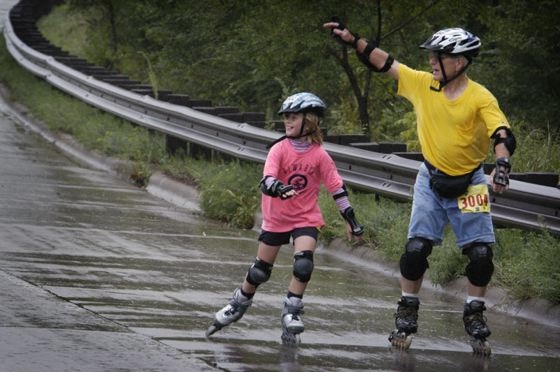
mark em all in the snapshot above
pixel 457 119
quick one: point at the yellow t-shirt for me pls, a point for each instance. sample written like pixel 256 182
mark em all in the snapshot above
pixel 454 134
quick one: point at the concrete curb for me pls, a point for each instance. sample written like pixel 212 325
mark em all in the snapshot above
pixel 186 196
pixel 173 191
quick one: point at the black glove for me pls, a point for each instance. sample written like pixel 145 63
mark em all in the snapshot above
pixel 350 217
pixel 501 175
pixel 342 26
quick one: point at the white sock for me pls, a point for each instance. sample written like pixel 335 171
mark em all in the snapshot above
pixel 410 294
pixel 473 298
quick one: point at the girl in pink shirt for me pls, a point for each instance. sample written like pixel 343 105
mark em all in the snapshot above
pixel 294 170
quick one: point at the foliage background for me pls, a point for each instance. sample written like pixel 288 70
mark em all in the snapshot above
pixel 252 54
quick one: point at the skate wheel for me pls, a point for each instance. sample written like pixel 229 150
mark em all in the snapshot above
pixel 290 339
pixel 400 340
pixel 212 329
pixel 481 347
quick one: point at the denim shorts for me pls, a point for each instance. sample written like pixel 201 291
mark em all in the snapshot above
pixel 431 213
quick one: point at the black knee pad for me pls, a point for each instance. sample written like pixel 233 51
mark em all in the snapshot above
pixel 303 266
pixel 259 272
pixel 480 268
pixel 414 260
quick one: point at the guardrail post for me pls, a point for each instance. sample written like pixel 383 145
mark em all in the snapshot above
pixel 177 146
pixel 346 139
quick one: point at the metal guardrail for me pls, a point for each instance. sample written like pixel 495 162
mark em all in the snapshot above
pixel 525 205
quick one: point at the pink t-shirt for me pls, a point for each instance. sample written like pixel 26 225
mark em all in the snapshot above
pixel 305 171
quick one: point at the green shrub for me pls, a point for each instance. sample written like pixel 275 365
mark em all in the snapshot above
pixel 231 194
pixel 528 264
pixel 446 261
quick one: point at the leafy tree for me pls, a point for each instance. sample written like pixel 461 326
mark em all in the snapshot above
pixel 523 65
pixel 362 90
pixel 253 53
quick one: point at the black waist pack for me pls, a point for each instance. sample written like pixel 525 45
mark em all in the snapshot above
pixel 449 186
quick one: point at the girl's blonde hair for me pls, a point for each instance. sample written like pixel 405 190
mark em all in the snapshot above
pixel 311 123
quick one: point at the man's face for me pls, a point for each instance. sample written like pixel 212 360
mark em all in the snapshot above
pixel 450 63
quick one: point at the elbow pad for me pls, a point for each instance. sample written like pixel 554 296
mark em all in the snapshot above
pixel 509 141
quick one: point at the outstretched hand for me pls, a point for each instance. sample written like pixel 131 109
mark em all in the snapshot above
pixel 340 32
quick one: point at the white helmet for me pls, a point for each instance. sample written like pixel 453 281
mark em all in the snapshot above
pixel 453 41
pixel 303 102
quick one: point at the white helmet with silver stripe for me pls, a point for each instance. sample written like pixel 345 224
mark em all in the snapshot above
pixel 303 102
pixel 453 41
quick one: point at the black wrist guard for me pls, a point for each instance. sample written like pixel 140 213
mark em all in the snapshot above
pixel 277 189
pixel 364 58
pixel 501 176
pixel 349 216
pixel 354 44
pixel 370 47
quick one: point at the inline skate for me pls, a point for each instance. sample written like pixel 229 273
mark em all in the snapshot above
pixel 475 325
pixel 406 322
pixel 232 312
pixel 292 323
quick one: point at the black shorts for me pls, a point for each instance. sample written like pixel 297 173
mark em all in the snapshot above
pixel 281 238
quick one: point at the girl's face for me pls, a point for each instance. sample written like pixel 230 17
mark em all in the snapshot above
pixel 292 123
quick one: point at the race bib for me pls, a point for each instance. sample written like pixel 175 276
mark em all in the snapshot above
pixel 475 200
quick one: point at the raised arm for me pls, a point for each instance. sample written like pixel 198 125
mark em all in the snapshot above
pixel 367 51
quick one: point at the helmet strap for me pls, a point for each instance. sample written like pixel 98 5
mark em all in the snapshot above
pixel 445 79
pixel 292 137
pixel 302 125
